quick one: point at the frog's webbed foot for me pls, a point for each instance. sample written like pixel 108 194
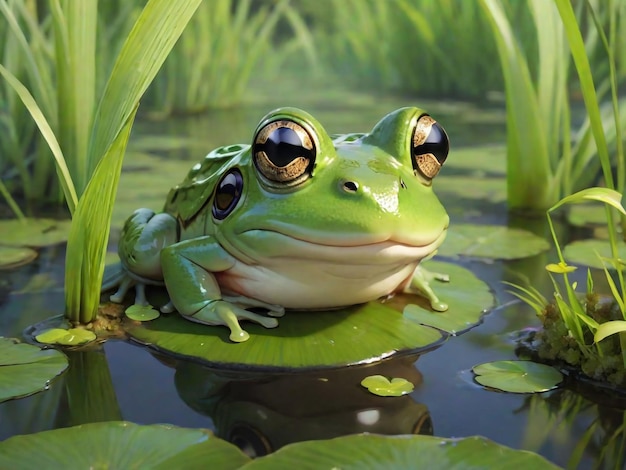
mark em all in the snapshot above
pixel 420 284
pixel 247 302
pixel 124 282
pixel 221 312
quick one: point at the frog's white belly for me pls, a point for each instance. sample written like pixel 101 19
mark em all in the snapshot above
pixel 324 277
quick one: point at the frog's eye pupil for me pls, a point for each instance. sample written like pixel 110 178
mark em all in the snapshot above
pixel 283 152
pixel 430 147
pixel 283 146
pixel 227 194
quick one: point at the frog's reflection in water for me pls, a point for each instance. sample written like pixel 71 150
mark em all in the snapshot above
pixel 261 413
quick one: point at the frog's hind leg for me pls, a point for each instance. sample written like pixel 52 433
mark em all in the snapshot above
pixel 143 237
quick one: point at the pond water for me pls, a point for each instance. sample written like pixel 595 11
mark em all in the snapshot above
pixel 270 411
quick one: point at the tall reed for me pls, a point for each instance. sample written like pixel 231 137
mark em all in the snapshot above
pixel 88 136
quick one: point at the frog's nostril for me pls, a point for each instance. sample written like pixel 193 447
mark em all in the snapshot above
pixel 350 186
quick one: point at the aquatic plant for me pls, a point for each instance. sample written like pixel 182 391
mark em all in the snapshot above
pixel 543 163
pixel 88 141
pixel 576 328
pixel 220 51
pixel 417 46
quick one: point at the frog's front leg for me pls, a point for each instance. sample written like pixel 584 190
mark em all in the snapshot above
pixel 188 269
pixel 420 284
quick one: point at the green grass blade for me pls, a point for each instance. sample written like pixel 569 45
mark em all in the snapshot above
pixel 75 39
pixel 47 133
pixel 158 27
pixel 89 233
pixel 581 61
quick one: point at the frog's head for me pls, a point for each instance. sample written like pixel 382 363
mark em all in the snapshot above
pixel 298 183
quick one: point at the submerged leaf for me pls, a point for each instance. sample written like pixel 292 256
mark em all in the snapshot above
pixel 380 385
pixel 26 369
pixel 517 376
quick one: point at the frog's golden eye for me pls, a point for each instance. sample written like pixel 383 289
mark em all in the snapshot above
pixel 284 152
pixel 227 194
pixel 430 146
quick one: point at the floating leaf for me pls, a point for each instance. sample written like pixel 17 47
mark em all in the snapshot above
pixel 560 268
pixel 517 376
pixel 34 232
pixel 483 158
pixel 407 451
pixel 491 241
pixel 120 445
pixel 142 312
pixel 323 339
pixel 26 369
pixel 380 385
pixel 69 337
pixel 586 252
pixel 15 256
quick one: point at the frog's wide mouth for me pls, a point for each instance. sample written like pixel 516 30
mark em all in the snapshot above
pixel 258 244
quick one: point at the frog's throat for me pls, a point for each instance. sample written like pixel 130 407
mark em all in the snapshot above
pixel 255 246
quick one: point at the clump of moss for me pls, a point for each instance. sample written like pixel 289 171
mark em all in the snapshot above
pixel 601 362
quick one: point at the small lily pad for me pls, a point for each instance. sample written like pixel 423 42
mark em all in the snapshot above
pixel 120 445
pixel 142 312
pixel 484 159
pixel 34 232
pixel 69 337
pixel 517 376
pixel 407 451
pixel 586 252
pixel 382 386
pixel 491 241
pixel 25 369
pixel 15 256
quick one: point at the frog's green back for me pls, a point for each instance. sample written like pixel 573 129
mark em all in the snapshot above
pixel 187 199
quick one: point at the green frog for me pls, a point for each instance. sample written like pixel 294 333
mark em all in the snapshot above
pixel 298 220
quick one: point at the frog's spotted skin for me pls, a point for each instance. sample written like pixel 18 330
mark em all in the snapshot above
pixel 297 220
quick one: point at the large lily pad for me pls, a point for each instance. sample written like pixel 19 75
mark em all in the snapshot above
pixel 491 241
pixel 120 445
pixel 467 297
pixel 586 252
pixel 26 369
pixel 374 451
pixel 310 340
pixel 34 232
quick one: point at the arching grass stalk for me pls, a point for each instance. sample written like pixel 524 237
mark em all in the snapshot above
pixel 102 149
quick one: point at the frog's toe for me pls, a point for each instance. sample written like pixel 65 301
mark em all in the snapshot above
pixel 276 311
pixel 124 286
pixel 438 305
pixel 168 307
